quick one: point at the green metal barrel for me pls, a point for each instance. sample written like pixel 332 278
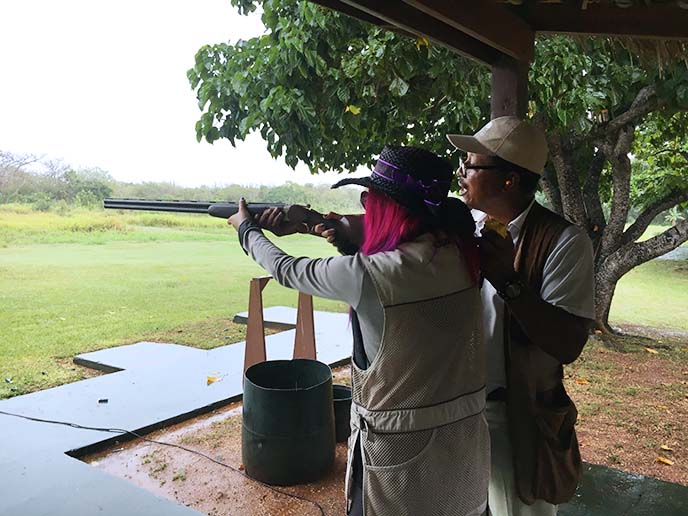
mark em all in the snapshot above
pixel 288 434
pixel 342 411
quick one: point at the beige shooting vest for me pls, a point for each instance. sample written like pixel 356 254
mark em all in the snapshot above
pixel 418 408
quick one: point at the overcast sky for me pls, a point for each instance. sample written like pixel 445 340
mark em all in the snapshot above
pixel 103 84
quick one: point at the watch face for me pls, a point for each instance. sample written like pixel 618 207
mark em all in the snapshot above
pixel 513 290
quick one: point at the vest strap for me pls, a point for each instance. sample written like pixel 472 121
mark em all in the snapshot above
pixel 423 418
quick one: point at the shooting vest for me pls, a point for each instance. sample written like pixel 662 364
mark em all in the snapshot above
pixel 418 410
pixel 547 461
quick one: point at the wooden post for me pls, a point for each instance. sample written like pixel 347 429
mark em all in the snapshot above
pixel 304 343
pixel 255 327
pixel 509 88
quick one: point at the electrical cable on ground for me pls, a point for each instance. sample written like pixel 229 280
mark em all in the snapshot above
pixel 172 445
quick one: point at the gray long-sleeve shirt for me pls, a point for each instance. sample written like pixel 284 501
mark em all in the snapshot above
pixel 342 278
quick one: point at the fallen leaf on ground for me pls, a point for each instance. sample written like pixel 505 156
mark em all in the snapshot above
pixel 653 351
pixel 662 407
pixel 666 448
pixel 664 460
pixel 582 381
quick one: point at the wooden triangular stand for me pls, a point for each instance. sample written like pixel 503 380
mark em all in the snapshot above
pixel 304 342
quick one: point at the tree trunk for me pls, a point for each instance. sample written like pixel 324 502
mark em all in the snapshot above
pixel 551 190
pixel 567 179
pixel 605 286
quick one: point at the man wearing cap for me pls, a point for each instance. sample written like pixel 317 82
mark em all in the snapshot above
pixel 537 312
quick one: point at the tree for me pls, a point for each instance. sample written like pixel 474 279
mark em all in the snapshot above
pixel 327 90
pixel 13 174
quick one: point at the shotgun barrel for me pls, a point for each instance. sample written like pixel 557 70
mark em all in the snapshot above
pixel 215 209
pixel 295 213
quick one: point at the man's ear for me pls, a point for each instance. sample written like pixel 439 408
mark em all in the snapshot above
pixel 511 182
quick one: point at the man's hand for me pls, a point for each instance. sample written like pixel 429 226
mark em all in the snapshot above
pixel 240 216
pixel 497 258
pixel 272 219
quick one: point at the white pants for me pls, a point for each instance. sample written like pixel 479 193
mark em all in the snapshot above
pixel 503 499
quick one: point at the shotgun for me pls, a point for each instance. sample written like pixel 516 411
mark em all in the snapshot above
pixel 295 213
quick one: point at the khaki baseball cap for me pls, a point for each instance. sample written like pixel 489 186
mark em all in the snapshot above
pixel 509 138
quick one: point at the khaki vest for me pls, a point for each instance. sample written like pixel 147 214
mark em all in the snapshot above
pixel 418 410
pixel 547 463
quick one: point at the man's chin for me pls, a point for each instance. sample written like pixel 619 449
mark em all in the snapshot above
pixel 466 199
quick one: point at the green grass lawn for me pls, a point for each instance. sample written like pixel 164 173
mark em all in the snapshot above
pixel 653 294
pixel 82 281
pixel 61 299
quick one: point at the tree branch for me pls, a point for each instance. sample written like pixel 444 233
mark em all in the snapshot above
pixel 591 195
pixel 621 184
pixel 668 240
pixel 629 256
pixel 645 102
pixel 567 179
pixel 643 220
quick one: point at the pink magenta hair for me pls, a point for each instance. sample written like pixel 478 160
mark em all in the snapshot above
pixel 387 225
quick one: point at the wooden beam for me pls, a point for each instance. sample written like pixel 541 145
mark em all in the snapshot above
pixel 509 88
pixel 254 352
pixel 336 5
pixel 666 21
pixel 420 24
pixel 343 8
pixel 485 21
pixel 304 342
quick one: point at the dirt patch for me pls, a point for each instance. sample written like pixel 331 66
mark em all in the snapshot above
pixel 210 488
pixel 633 405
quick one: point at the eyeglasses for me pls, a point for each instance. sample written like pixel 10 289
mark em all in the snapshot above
pixel 465 167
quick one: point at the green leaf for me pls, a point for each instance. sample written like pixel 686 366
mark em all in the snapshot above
pixel 399 87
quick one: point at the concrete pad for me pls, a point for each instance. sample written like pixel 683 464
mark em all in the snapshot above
pixel 610 492
pixel 154 385
pixel 285 317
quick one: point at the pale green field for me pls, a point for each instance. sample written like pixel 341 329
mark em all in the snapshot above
pixel 83 281
pixel 65 291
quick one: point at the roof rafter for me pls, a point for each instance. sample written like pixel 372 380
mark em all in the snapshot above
pixel 506 31
pixel 411 20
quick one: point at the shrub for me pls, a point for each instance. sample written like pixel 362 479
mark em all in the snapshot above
pixel 93 226
pixel 42 202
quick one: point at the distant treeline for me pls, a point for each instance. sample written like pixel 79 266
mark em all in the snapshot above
pixel 47 184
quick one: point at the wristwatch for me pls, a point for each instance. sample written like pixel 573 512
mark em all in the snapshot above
pixel 512 289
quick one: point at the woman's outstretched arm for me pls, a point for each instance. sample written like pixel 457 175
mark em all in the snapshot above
pixel 339 277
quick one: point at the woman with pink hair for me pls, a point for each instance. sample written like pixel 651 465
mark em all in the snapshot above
pixel 419 443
